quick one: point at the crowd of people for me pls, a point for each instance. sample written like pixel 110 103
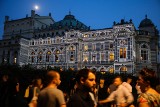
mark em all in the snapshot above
pixel 87 91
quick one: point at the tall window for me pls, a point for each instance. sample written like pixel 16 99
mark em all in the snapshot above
pixel 71 58
pixel 111 45
pixel 32 57
pixel 93 46
pixel 57 56
pixel 48 56
pixel 111 56
pixel 85 47
pixel 15 57
pixel 40 41
pixel 49 40
pixel 85 57
pixel 94 57
pixel 122 52
pixel 144 52
pixel 102 46
pixel 102 56
pixel 39 58
pixel 72 53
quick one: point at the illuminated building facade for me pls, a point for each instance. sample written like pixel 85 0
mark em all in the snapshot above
pixel 41 42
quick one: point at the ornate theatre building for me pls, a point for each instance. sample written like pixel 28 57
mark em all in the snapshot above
pixel 40 41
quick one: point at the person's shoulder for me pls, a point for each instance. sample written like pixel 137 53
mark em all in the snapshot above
pixel 122 87
pixel 75 96
pixel 58 90
pixel 124 83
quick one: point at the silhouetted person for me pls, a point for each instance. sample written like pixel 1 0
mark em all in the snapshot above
pixel 4 91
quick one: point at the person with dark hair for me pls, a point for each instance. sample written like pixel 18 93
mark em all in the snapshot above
pixel 121 95
pixel 102 91
pixel 4 91
pixel 50 96
pixel 34 90
pixel 149 96
pixel 85 80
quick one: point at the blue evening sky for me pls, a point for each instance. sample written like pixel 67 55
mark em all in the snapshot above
pixel 95 13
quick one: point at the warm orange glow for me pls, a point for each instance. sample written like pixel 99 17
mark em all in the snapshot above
pixel 111 56
pixel 122 52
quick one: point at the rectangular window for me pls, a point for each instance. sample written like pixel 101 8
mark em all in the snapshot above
pixel 94 57
pixel 111 45
pixel 111 56
pixel 144 55
pixel 102 46
pixel 85 57
pixel 94 47
pixel 102 56
pixel 122 52
pixel 85 47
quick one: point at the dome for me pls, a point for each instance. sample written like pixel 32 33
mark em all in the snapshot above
pixel 69 22
pixel 146 23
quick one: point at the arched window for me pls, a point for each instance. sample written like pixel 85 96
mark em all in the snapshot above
pixel 72 53
pixel 32 57
pixel 48 54
pixel 15 57
pixel 94 69
pixel 111 70
pixel 57 55
pixel 39 58
pixel 71 48
pixel 102 70
pixel 123 69
pixel 49 40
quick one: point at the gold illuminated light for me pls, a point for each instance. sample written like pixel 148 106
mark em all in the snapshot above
pixel 85 58
pixel 15 60
pixel 122 52
pixel 111 56
pixel 85 47
pixel 123 69
pixel 111 70
pixel 85 35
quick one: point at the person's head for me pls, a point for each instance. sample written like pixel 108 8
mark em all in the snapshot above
pixel 53 77
pixel 86 79
pixel 5 77
pixel 146 78
pixel 37 82
pixel 129 80
pixel 118 80
pixel 101 81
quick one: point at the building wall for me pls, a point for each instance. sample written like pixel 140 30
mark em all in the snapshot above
pixel 120 49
